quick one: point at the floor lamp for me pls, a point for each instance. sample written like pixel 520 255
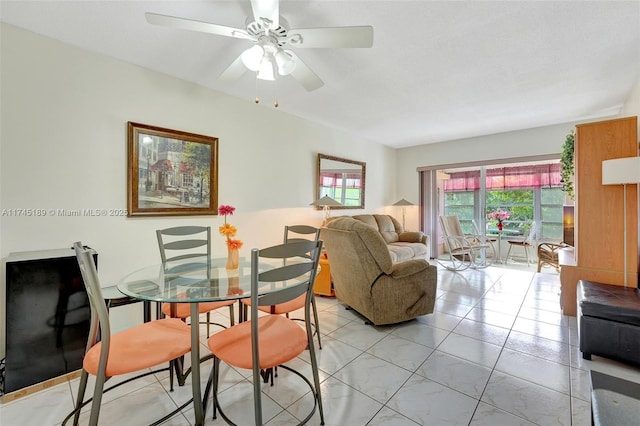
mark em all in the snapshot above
pixel 326 203
pixel 403 203
pixel 622 171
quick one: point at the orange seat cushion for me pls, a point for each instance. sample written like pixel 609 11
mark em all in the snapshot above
pixel 280 340
pixel 183 310
pixel 282 308
pixel 143 346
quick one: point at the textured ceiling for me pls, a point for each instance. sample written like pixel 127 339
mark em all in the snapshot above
pixel 437 71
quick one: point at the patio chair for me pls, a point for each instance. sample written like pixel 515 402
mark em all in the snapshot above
pixel 465 250
pixel 525 243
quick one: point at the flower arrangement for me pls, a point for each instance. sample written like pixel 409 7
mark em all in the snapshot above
pixel 499 215
pixel 228 231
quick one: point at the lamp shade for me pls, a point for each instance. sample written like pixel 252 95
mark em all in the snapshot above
pixel 325 201
pixel 285 62
pixel 403 202
pixel 621 171
pixel 252 57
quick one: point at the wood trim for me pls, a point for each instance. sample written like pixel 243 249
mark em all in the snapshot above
pixel 29 390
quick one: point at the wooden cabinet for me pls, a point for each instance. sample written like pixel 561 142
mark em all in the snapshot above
pixel 599 216
pixel 324 284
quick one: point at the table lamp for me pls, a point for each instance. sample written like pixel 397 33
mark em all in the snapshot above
pixel 326 203
pixel 403 203
pixel 622 171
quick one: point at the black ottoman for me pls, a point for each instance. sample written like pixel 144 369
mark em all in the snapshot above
pixel 609 321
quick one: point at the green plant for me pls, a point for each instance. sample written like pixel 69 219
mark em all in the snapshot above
pixel 567 171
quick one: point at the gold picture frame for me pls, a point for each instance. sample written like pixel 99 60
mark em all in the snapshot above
pixel 170 172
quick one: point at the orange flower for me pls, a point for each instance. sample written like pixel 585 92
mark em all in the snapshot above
pixel 228 230
pixel 234 244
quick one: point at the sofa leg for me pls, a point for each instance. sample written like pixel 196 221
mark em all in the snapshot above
pixel 586 356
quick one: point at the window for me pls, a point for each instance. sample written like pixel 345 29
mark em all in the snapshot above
pixel 528 192
pixel 461 204
pixel 520 205
pixel 332 185
pixel 187 180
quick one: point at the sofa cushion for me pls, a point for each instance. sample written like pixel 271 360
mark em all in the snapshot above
pixel 387 228
pixel 368 219
pixel 401 251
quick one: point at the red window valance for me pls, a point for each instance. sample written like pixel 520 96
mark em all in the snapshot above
pixel 521 177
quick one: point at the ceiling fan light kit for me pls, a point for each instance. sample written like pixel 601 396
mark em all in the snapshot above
pixel 270 33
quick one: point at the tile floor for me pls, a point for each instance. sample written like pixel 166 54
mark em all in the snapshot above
pixel 496 351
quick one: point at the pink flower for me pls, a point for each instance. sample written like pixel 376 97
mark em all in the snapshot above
pixel 500 215
pixel 226 210
pixel 227 230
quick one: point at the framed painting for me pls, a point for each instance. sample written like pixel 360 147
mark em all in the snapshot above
pixel 170 172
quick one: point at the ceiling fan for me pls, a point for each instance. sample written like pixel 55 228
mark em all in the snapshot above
pixel 271 35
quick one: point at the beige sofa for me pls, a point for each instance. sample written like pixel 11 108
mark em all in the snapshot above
pixel 366 278
pixel 403 245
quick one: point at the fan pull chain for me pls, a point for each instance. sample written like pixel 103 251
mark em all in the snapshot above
pixel 257 100
pixel 276 104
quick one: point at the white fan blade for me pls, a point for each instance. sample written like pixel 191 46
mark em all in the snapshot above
pixel 303 74
pixel 268 9
pixel 233 72
pixel 335 37
pixel 189 24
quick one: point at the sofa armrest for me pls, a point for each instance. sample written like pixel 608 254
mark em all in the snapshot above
pixel 409 267
pixel 413 237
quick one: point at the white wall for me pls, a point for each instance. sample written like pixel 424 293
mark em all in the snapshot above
pixel 522 143
pixel 63 146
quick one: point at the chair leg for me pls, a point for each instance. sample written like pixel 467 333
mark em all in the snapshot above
pixel 232 321
pixel 257 393
pixel 215 373
pixel 97 398
pixel 208 324
pixel 506 259
pixel 315 318
pixel 172 369
pixel 316 378
pixel 84 376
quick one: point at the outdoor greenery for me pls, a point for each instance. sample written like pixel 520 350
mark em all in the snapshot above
pixel 197 162
pixel 567 171
pixel 521 205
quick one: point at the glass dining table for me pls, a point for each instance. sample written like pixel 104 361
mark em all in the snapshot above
pixel 195 280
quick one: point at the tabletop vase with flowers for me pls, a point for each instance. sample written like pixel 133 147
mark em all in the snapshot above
pixel 228 231
pixel 499 215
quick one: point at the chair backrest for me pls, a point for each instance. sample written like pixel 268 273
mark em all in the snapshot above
pixel 100 327
pixel 451 226
pixel 476 230
pixel 452 233
pixel 309 232
pixel 532 236
pixel 183 242
pixel 296 266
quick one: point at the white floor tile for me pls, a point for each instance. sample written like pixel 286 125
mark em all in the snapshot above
pixel 429 403
pixel 522 398
pixel 373 376
pixel 471 349
pixel 456 373
pixel 497 351
pixel 487 415
pixel 536 370
pixel 401 352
